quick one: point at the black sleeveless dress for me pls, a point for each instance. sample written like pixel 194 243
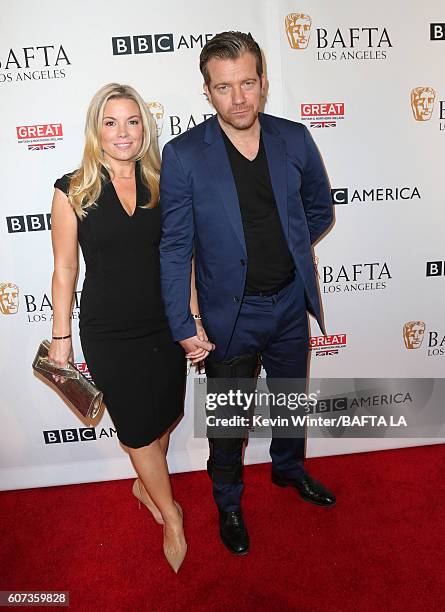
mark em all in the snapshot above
pixel 124 333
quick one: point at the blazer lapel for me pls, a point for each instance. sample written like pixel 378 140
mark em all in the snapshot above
pixel 221 176
pixel 276 157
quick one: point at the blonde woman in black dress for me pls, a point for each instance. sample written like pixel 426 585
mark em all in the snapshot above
pixel 110 207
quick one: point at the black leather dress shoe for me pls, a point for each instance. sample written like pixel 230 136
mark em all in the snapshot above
pixel 309 489
pixel 233 532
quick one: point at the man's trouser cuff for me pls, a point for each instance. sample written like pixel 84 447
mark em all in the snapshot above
pixel 225 474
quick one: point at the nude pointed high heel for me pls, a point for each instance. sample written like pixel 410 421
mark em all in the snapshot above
pixel 147 501
pixel 176 556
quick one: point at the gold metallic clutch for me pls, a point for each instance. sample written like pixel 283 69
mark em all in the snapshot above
pixel 73 386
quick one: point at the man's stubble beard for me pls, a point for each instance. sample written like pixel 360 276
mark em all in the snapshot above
pixel 243 123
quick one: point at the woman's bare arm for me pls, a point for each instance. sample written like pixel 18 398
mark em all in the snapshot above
pixel 194 307
pixel 200 354
pixel 65 250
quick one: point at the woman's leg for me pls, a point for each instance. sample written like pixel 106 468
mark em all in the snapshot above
pixel 164 440
pixel 151 465
pixel 140 492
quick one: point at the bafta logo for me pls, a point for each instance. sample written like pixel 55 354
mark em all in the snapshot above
pixel 413 332
pixel 157 111
pixel 9 298
pixel 422 102
pixel 298 30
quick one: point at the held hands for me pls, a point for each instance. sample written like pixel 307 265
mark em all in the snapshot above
pixel 197 347
pixel 60 352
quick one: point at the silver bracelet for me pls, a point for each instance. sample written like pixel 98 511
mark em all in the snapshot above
pixel 196 317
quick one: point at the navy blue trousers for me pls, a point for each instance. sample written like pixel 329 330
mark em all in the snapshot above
pixel 276 328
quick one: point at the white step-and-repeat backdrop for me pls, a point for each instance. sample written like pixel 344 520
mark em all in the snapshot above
pixel 366 79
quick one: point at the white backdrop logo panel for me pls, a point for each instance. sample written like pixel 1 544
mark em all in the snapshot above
pixel 375 104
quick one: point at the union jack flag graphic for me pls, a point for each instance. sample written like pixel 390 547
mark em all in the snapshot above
pixel 41 146
pixel 322 124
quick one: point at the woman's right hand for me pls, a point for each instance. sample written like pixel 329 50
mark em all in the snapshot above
pixel 60 352
pixel 197 357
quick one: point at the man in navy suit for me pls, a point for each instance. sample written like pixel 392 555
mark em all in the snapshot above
pixel 248 195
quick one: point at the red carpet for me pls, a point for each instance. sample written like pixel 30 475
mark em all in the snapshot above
pixel 380 549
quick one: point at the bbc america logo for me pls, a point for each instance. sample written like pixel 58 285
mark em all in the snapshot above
pixel 57 436
pixel 147 43
pixel 157 43
pixel 28 223
pixel 82 434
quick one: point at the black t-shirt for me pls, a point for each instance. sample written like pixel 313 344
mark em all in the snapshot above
pixel 269 259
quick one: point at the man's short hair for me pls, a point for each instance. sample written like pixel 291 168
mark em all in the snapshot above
pixel 229 45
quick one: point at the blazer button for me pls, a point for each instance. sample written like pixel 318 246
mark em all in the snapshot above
pixel 242 262
pixel 236 298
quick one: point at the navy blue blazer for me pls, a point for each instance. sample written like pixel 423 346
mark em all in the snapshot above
pixel 201 215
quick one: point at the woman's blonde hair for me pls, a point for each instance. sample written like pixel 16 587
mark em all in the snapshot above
pixel 86 183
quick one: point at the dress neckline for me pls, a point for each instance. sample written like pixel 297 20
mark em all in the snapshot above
pixel 138 190
pixel 130 216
